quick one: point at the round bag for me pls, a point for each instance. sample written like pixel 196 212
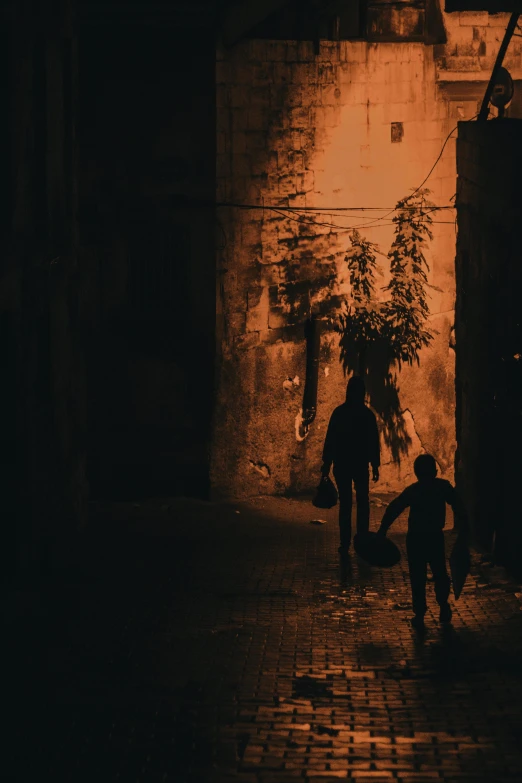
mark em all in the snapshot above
pixel 376 550
pixel 326 494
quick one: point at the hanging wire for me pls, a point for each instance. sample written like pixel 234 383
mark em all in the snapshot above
pixel 295 214
pixel 438 158
pixel 328 210
pixel 440 155
pixel 288 212
pixel 301 219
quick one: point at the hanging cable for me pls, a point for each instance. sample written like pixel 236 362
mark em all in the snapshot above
pixel 335 211
pixel 438 158
pixel 295 214
pixel 440 155
pixel 329 210
pixel 302 219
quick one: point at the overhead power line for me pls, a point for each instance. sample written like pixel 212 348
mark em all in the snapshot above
pixel 329 210
pixel 288 212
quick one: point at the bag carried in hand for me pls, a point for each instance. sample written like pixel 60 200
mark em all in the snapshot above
pixel 460 562
pixel 376 550
pixel 326 494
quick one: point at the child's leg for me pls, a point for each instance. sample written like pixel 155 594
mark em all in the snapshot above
pixel 437 561
pixel 417 568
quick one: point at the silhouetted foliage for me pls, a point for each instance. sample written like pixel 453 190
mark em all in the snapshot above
pixel 406 313
pixel 376 337
pixel 362 321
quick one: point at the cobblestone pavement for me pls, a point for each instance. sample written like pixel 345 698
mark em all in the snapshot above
pixel 210 642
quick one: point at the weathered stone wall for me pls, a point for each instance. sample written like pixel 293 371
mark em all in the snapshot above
pixel 300 130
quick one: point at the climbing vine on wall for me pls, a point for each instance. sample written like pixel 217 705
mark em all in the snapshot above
pixel 361 322
pixel 405 314
pixel 377 336
pixel 400 321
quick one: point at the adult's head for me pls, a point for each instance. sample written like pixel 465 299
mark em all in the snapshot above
pixel 355 391
pixel 425 467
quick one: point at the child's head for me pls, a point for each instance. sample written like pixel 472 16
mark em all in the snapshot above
pixel 425 467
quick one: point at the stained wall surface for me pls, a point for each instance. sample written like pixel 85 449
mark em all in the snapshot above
pixel 296 129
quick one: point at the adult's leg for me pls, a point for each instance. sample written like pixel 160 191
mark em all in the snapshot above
pixel 343 480
pixel 361 480
pixel 417 568
pixel 437 561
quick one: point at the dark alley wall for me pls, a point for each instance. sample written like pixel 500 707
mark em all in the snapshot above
pixel 147 141
pixel 107 281
pixel 488 332
pixel 43 380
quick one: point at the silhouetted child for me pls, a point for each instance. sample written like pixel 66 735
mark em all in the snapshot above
pixel 351 444
pixel 427 500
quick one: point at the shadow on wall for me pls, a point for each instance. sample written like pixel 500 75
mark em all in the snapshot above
pixel 378 368
pixel 378 337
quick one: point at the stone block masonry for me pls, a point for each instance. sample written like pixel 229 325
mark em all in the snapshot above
pixel 311 132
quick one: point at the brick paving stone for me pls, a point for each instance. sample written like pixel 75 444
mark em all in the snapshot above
pixel 206 646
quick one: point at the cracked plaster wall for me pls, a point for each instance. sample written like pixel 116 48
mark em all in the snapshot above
pixel 295 129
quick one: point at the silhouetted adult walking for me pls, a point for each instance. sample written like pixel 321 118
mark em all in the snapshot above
pixel 352 444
